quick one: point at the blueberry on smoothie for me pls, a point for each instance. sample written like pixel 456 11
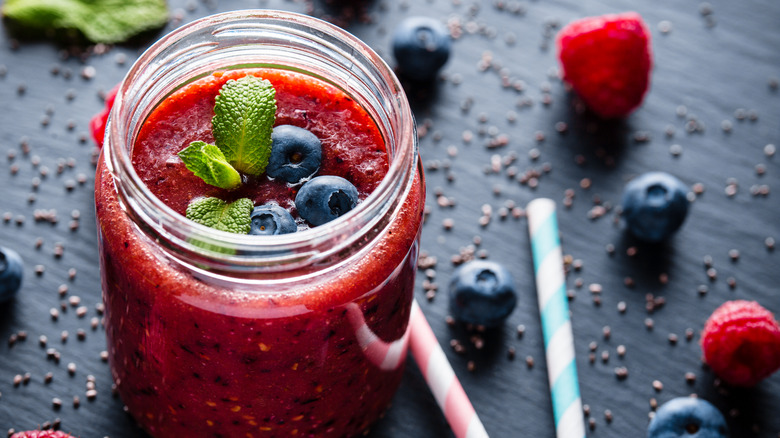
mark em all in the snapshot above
pixel 296 154
pixel 482 293
pixel 10 273
pixel 654 206
pixel 270 219
pixel 421 46
pixel 325 198
pixel 687 417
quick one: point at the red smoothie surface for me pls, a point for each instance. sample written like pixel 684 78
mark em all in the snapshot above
pixel 194 358
pixel 352 145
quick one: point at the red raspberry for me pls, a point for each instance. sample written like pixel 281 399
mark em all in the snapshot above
pixel 41 434
pixel 741 342
pixel 607 60
pixel 97 124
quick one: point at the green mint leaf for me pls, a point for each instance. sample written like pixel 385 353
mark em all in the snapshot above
pixel 244 115
pixel 216 213
pixel 207 162
pixel 101 21
pixel 211 247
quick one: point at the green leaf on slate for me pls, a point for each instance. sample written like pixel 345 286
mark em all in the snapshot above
pixel 244 114
pixel 234 217
pixel 207 162
pixel 101 21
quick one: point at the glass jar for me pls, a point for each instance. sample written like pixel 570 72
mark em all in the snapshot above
pixel 218 334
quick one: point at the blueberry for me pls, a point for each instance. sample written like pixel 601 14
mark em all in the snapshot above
pixel 296 154
pixel 421 46
pixel 482 293
pixel 10 273
pixel 270 219
pixel 654 206
pixel 687 417
pixel 325 198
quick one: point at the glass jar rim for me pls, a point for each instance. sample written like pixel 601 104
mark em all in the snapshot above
pixel 197 244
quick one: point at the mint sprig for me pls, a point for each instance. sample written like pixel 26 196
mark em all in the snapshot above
pixel 208 162
pixel 234 217
pixel 101 21
pixel 244 115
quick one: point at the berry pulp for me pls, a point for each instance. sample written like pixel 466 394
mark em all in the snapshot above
pixel 193 357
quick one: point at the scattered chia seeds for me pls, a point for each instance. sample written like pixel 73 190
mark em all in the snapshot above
pixel 510 163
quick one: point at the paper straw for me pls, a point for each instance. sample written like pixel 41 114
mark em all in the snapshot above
pixel 436 370
pixel 438 373
pixel 556 324
pixel 385 355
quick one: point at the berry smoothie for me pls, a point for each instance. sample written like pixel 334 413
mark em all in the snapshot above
pixel 198 357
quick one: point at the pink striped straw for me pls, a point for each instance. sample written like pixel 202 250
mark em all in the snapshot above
pixel 387 356
pixel 439 375
pixel 436 370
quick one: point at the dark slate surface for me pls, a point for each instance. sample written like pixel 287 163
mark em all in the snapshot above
pixel 716 64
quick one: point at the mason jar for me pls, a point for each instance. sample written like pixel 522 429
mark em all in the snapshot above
pixel 218 334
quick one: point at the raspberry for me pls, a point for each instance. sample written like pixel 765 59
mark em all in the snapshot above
pixel 741 342
pixel 41 434
pixel 97 124
pixel 607 60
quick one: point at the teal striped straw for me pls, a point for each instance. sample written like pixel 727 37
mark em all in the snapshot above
pixel 556 323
